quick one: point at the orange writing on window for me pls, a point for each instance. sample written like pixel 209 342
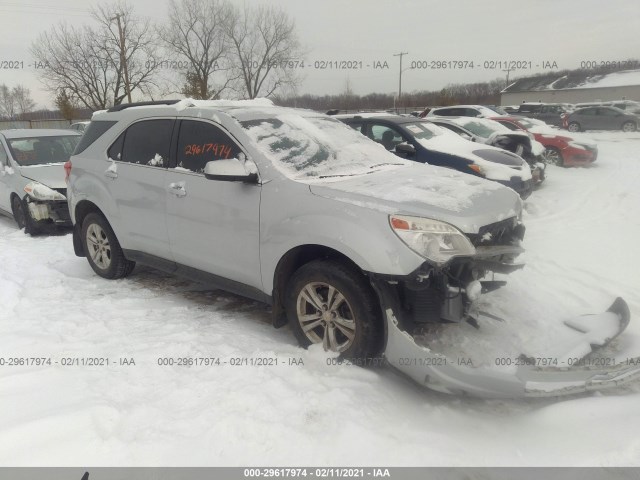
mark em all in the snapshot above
pixel 218 150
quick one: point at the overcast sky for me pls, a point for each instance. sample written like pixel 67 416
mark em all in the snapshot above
pixel 566 32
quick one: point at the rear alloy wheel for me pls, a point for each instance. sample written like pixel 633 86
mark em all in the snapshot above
pixel 102 248
pixel 629 127
pixel 574 127
pixel 331 304
pixel 552 156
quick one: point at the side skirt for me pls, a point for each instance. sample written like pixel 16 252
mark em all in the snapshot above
pixel 198 275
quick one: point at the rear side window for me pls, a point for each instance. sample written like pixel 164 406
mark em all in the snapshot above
pixel 201 142
pixel 147 143
pixel 509 125
pixel 93 132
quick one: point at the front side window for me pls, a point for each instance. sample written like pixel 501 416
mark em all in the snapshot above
pixel 146 143
pixel 386 136
pixel 201 142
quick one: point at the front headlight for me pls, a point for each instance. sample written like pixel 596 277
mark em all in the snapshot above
pixel 37 191
pixel 434 240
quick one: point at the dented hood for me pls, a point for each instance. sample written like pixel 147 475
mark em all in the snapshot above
pixel 465 201
pixel 51 175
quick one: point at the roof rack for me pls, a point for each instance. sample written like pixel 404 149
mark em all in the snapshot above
pixel 122 106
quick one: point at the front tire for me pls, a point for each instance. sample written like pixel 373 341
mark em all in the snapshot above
pixel 327 302
pixel 553 156
pixel 103 249
pixel 21 216
pixel 629 127
pixel 574 127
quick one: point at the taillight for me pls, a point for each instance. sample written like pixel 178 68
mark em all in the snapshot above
pixel 67 170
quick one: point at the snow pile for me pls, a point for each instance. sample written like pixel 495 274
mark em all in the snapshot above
pixel 615 79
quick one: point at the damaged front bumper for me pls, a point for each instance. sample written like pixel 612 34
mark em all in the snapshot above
pixel 45 213
pixel 567 376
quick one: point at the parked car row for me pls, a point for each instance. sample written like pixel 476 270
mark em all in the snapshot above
pixel 425 142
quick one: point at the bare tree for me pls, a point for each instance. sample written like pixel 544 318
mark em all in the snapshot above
pixel 7 102
pixel 69 59
pixel 264 42
pixel 129 43
pixel 85 61
pixel 22 97
pixel 15 101
pixel 196 32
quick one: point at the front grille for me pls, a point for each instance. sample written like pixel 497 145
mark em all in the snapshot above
pixel 505 232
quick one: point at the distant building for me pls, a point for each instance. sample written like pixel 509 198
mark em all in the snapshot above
pixel 575 87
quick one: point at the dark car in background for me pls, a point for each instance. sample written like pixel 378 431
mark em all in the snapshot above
pixel 601 118
pixel 560 149
pixel 550 113
pixel 422 141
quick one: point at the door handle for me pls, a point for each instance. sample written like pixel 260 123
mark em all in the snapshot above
pixel 178 189
pixel 111 173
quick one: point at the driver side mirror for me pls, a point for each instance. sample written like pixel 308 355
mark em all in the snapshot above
pixel 230 170
pixel 405 149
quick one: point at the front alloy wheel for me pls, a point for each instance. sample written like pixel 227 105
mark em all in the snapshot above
pixel 574 127
pixel 325 316
pixel 629 127
pixel 331 303
pixel 553 156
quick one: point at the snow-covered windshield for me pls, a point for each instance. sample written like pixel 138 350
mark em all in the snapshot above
pixel 43 150
pixel 482 128
pixel 307 147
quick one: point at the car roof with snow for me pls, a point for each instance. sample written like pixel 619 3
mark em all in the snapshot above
pixel 241 110
pixel 36 132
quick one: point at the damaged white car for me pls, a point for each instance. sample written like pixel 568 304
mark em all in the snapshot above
pixel 32 186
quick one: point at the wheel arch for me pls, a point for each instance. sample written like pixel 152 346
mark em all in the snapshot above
pixel 293 260
pixel 82 209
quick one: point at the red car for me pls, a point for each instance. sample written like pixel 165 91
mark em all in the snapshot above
pixel 560 149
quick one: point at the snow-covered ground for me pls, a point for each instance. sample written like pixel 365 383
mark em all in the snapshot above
pixel 582 231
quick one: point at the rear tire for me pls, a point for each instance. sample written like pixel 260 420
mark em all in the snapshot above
pixel 327 302
pixel 574 127
pixel 629 127
pixel 103 249
pixel 553 156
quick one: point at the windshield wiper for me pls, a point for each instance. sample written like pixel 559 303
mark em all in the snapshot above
pixel 380 164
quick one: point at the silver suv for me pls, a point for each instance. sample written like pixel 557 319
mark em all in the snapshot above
pixel 354 247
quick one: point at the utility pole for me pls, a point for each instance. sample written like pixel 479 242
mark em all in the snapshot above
pixel 401 54
pixel 508 70
pixel 123 58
